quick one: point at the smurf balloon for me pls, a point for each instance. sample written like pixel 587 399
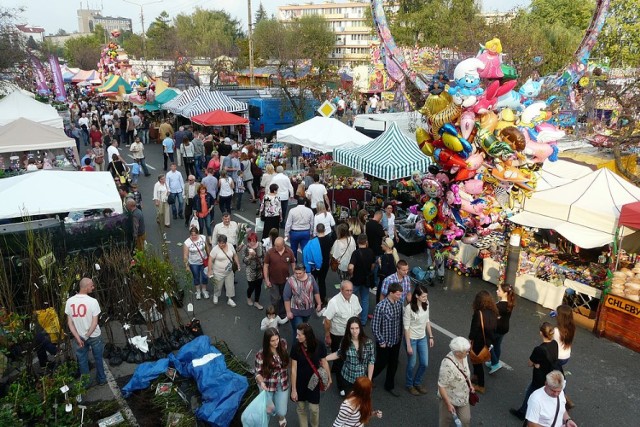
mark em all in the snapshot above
pixel 467 79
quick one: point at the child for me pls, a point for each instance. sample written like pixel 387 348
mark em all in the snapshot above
pixel 136 195
pixel 135 171
pixel 271 319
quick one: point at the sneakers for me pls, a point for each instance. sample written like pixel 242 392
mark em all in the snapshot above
pixel 258 306
pixel 487 364
pixel 198 295
pixel 249 302
pixel 215 299
pixel 495 368
pixel 231 302
pixel 413 391
pixel 205 294
pixel 342 393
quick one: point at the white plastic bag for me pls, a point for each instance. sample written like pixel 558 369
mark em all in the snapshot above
pixel 257 412
pixel 194 222
pixel 259 225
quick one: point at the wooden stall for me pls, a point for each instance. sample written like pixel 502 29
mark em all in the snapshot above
pixel 619 321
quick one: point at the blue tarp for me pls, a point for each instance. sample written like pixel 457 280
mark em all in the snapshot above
pixel 221 389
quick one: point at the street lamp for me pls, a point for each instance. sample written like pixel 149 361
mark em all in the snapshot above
pixel 144 36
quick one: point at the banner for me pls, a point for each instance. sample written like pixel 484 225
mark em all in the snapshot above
pixel 58 81
pixel 41 79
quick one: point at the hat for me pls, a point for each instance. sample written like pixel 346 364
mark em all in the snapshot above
pixel 227 140
pixel 459 344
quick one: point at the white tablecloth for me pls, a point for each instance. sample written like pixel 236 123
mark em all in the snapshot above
pixel 466 254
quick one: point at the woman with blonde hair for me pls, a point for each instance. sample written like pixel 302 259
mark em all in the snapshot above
pixel 387 263
pixel 267 176
pixel 323 217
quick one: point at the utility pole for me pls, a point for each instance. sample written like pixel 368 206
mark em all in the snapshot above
pixel 144 35
pixel 249 24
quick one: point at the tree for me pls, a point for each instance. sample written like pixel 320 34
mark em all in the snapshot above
pixel 299 50
pixel 620 38
pixel 132 44
pixel 47 47
pixel 83 52
pixel 12 47
pixel 61 32
pixel 208 33
pixel 161 38
pixel 261 14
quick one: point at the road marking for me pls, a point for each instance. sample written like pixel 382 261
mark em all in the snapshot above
pixel 452 335
pixel 433 325
pixel 148 165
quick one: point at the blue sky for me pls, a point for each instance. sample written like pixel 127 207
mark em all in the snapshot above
pixel 55 14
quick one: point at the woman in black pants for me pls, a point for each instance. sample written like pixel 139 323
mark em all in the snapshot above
pixel 483 328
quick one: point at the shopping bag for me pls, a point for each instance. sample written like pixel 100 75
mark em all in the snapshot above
pixel 259 225
pixel 257 412
pixel 194 222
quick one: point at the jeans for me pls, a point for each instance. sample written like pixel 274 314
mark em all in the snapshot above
pixel 421 353
pixel 284 205
pixel 363 295
pixel 225 203
pixel 497 348
pixel 134 178
pixel 205 223
pixel 143 164
pixel 297 320
pixel 238 197
pixel 144 135
pixel 527 393
pixel 197 271
pixel 280 399
pixel 298 238
pixel 178 206
pixel 82 354
pixel 199 160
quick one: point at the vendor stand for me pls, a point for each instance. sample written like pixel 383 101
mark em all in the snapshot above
pixel 619 315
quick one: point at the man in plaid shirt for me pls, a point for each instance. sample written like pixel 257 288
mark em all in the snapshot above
pixel 387 330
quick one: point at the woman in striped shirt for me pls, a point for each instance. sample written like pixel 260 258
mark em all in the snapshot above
pixel 356 410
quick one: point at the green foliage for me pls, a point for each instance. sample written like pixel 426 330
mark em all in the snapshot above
pixel 161 38
pixel 208 33
pixel 620 37
pixel 48 47
pixel 83 52
pixel 133 44
pixel 261 14
pixel 12 47
pixel 567 13
pixel 34 402
pixel 300 52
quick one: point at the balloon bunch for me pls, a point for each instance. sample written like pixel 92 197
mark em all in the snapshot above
pixel 486 139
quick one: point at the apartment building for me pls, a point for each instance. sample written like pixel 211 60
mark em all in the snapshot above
pixel 89 18
pixel 348 21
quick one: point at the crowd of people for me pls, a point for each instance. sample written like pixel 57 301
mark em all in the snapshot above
pixel 292 257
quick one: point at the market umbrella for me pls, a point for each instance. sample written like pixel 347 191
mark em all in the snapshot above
pixel 219 118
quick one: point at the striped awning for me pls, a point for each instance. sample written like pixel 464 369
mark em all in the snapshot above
pixel 208 101
pixel 178 103
pixel 390 156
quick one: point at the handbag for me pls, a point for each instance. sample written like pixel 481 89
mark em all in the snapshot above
pixel 319 374
pixel 194 222
pixel 336 262
pixel 171 199
pixel 485 353
pixel 234 266
pixel 473 396
pixel 205 260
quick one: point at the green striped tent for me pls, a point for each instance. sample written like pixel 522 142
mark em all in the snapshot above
pixel 390 156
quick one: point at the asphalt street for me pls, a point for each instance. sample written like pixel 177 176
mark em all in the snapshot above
pixel 602 376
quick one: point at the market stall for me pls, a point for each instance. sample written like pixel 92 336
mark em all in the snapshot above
pixel 619 315
pixel 23 140
pixel 18 105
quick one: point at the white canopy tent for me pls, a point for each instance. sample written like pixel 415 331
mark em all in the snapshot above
pixel 323 134
pixel 53 192
pixel 26 135
pixel 560 172
pixel 18 105
pixel 584 211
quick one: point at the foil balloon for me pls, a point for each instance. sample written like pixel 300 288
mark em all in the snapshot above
pixel 467 120
pixel 429 210
pixel 438 228
pixel 424 141
pixel 448 159
pixel 489 121
pixel 512 136
pixel 507 118
pixel 454 141
pixel 491 57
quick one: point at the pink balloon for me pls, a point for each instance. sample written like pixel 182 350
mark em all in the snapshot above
pixel 467 120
